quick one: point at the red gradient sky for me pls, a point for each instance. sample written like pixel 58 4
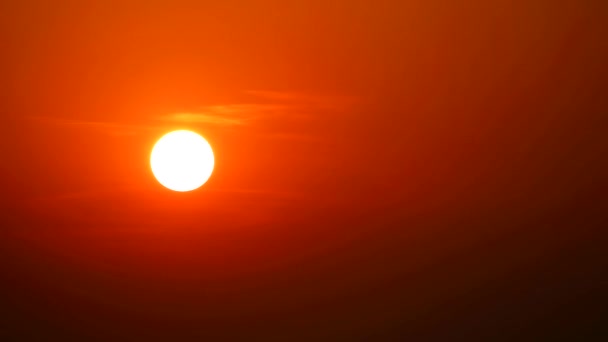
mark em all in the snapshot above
pixel 384 169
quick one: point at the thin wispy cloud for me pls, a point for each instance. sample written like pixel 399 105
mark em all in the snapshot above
pixel 267 106
pixel 270 105
pixel 227 115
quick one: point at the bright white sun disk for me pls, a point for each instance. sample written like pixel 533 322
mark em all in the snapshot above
pixel 182 161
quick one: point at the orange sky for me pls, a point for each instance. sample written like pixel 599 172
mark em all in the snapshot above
pixel 357 143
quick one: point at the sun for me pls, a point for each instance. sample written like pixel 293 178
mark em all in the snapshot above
pixel 182 161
